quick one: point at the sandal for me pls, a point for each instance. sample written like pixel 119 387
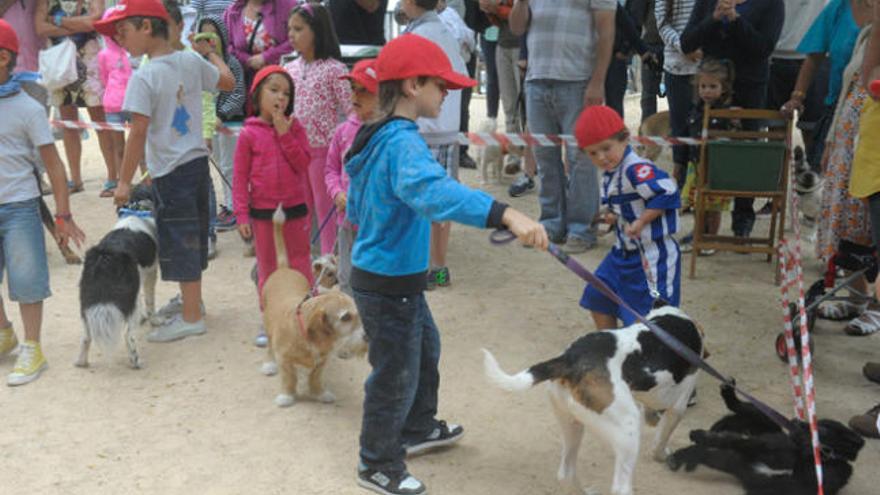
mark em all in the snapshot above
pixel 74 188
pixel 866 324
pixel 109 189
pixel 840 310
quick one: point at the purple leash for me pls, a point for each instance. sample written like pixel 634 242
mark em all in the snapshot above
pixel 499 237
pixel 323 224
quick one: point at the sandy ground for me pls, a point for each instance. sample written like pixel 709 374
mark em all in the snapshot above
pixel 200 418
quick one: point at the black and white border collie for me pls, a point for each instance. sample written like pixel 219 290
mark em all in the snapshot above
pixel 115 272
pixel 607 381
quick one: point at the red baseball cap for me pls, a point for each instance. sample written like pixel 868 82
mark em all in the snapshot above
pixel 596 124
pixel 411 55
pixel 8 38
pixel 364 72
pixel 131 8
pixel 266 72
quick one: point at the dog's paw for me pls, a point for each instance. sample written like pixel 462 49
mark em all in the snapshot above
pixel 284 400
pixel 135 363
pixel 270 368
pixel 591 490
pixel 661 455
pixel 81 363
pixel 327 397
pixel 699 436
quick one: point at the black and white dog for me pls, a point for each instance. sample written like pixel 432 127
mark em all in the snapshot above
pixel 606 381
pixel 766 460
pixel 116 271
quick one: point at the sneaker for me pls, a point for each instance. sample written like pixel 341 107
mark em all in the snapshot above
pixel 443 435
pixel 212 248
pixel 576 245
pixel 520 186
pixel 441 277
pixel 872 372
pixel 261 340
pixel 176 329
pixel 28 366
pixel 174 307
pixel 401 483
pixel 465 161
pixel 868 424
pixel 8 340
pixel 225 220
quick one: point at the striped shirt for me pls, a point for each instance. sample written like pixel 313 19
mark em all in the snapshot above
pixel 674 60
pixel 633 187
pixel 562 39
pixel 210 7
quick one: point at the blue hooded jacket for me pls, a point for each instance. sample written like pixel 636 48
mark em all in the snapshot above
pixel 397 189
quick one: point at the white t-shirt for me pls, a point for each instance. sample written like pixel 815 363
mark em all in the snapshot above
pixel 799 16
pixel 19 139
pixel 168 90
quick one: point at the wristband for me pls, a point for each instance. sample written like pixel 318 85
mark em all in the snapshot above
pixel 57 19
pixel 60 219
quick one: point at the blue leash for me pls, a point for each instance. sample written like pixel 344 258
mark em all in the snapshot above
pixel 504 236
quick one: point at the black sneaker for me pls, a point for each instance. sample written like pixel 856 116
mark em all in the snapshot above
pixel 401 483
pixel 465 161
pixel 521 185
pixel 443 435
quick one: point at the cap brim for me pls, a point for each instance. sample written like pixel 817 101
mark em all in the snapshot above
pixel 107 27
pixel 371 84
pixel 454 80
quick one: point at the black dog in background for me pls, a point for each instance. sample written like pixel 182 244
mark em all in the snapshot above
pixel 766 460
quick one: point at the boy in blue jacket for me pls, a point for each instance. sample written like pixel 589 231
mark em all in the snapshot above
pixel 397 189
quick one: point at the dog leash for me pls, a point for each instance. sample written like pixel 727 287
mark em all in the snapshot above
pixel 323 224
pixel 503 236
pixel 217 168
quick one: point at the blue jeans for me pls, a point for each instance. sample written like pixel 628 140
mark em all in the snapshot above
pixel 182 201
pixel 651 80
pixel 400 401
pixel 23 251
pixel 568 205
pixel 493 92
pixel 680 95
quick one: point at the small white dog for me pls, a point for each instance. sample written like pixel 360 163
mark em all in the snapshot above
pixel 490 158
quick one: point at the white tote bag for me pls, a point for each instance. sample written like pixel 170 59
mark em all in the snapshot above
pixel 58 65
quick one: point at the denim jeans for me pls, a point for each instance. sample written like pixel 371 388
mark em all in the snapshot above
pixel 493 93
pixel 651 80
pixel 400 400
pixel 615 84
pixel 680 95
pixel 568 204
pixel 747 94
pixel 23 251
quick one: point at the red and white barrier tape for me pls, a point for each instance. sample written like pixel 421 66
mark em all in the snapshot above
pixel 464 138
pixel 792 273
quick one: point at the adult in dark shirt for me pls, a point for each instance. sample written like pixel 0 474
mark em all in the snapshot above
pixel 744 32
pixel 359 22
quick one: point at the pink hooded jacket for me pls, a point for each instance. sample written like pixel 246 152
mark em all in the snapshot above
pixel 269 169
pixel 334 169
pixel 114 70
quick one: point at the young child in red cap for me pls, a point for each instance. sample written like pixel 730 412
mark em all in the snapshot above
pixel 397 189
pixel 364 102
pixel 25 132
pixel 271 168
pixel 641 202
pixel 164 99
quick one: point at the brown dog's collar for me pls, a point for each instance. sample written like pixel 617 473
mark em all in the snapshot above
pixel 299 318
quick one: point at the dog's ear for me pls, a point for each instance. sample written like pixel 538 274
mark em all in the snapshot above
pixel 319 325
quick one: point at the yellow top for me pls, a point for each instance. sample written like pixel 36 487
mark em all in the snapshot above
pixel 865 176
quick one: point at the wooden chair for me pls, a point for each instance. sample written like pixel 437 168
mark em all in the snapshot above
pixel 750 164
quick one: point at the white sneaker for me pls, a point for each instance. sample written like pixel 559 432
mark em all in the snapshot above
pixel 176 329
pixel 174 307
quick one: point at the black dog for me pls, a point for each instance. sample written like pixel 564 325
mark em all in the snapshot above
pixel 766 460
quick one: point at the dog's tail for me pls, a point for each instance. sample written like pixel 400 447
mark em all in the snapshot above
pixel 104 323
pixel 280 249
pixel 547 370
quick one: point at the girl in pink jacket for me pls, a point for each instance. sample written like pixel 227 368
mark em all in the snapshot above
pixel 271 166
pixel 364 100
pixel 114 69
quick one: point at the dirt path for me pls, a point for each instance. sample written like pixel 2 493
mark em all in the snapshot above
pixel 199 417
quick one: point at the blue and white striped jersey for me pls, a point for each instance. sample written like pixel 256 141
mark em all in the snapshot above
pixel 631 188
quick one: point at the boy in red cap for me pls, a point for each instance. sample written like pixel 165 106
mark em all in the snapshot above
pixel 25 132
pixel 641 202
pixel 164 99
pixel 397 189
pixel 364 102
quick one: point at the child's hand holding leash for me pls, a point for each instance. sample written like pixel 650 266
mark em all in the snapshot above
pixel 528 231
pixel 121 194
pixel 244 230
